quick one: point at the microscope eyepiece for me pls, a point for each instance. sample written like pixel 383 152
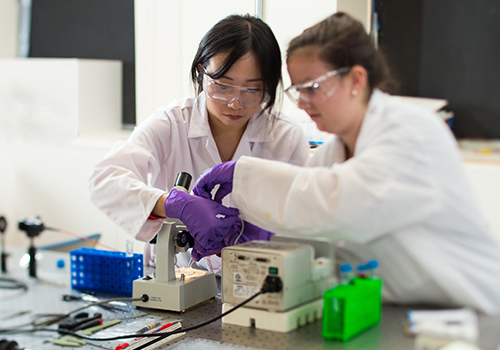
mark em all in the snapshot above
pixel 183 179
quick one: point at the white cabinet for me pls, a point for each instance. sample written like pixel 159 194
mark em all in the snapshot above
pixel 57 99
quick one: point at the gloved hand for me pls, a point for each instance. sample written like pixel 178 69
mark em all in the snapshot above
pixel 250 233
pixel 199 251
pixel 207 221
pixel 221 174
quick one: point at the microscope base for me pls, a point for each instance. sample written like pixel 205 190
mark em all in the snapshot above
pixel 175 295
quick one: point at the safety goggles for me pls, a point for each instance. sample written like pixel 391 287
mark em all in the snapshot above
pixel 226 93
pixel 315 91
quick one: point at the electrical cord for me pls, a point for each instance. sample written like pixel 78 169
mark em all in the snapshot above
pixel 241 231
pixel 69 233
pixel 272 284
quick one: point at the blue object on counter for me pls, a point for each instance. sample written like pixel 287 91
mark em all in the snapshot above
pixel 104 271
pixel 373 268
pixel 362 270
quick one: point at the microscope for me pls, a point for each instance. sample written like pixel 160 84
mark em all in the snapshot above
pixel 167 290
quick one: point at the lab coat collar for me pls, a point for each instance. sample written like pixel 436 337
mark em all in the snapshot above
pixel 370 120
pixel 198 126
pixel 258 129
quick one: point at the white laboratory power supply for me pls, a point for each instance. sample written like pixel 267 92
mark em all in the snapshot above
pixel 304 277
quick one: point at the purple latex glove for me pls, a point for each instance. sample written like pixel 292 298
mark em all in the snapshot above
pixel 207 221
pixel 199 251
pixel 221 174
pixel 250 233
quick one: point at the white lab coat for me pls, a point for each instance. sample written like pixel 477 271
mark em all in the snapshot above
pixel 174 139
pixel 402 199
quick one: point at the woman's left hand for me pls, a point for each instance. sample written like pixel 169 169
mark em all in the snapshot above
pixel 222 175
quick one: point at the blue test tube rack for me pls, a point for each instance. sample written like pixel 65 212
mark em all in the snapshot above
pixel 102 271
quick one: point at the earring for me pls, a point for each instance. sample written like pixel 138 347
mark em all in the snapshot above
pixel 354 92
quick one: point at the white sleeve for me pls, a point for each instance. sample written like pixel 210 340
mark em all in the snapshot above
pixel 275 195
pixel 118 184
pixel 377 192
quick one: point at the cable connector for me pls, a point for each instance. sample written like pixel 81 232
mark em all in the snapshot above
pixel 272 284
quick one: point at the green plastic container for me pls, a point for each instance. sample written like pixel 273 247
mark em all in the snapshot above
pixel 350 309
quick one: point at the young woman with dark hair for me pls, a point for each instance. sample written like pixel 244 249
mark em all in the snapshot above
pixel 237 71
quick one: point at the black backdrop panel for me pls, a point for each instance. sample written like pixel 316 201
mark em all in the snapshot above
pixel 102 29
pixel 453 47
pixel 399 40
pixel 461 62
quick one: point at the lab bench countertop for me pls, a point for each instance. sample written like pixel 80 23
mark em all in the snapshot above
pixel 44 296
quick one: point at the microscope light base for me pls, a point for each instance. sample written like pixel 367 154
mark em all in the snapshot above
pixel 175 295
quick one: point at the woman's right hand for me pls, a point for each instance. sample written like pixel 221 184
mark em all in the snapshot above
pixel 207 221
pixel 222 175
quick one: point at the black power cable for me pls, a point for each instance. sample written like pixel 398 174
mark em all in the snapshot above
pixel 272 284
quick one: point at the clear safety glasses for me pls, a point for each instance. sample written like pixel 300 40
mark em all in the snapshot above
pixel 315 91
pixel 226 94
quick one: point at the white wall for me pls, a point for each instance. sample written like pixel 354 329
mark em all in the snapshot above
pixel 359 9
pixel 9 22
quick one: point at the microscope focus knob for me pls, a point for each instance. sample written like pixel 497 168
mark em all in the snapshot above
pixel 183 238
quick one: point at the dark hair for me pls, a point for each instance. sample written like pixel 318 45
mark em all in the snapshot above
pixel 237 35
pixel 344 43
